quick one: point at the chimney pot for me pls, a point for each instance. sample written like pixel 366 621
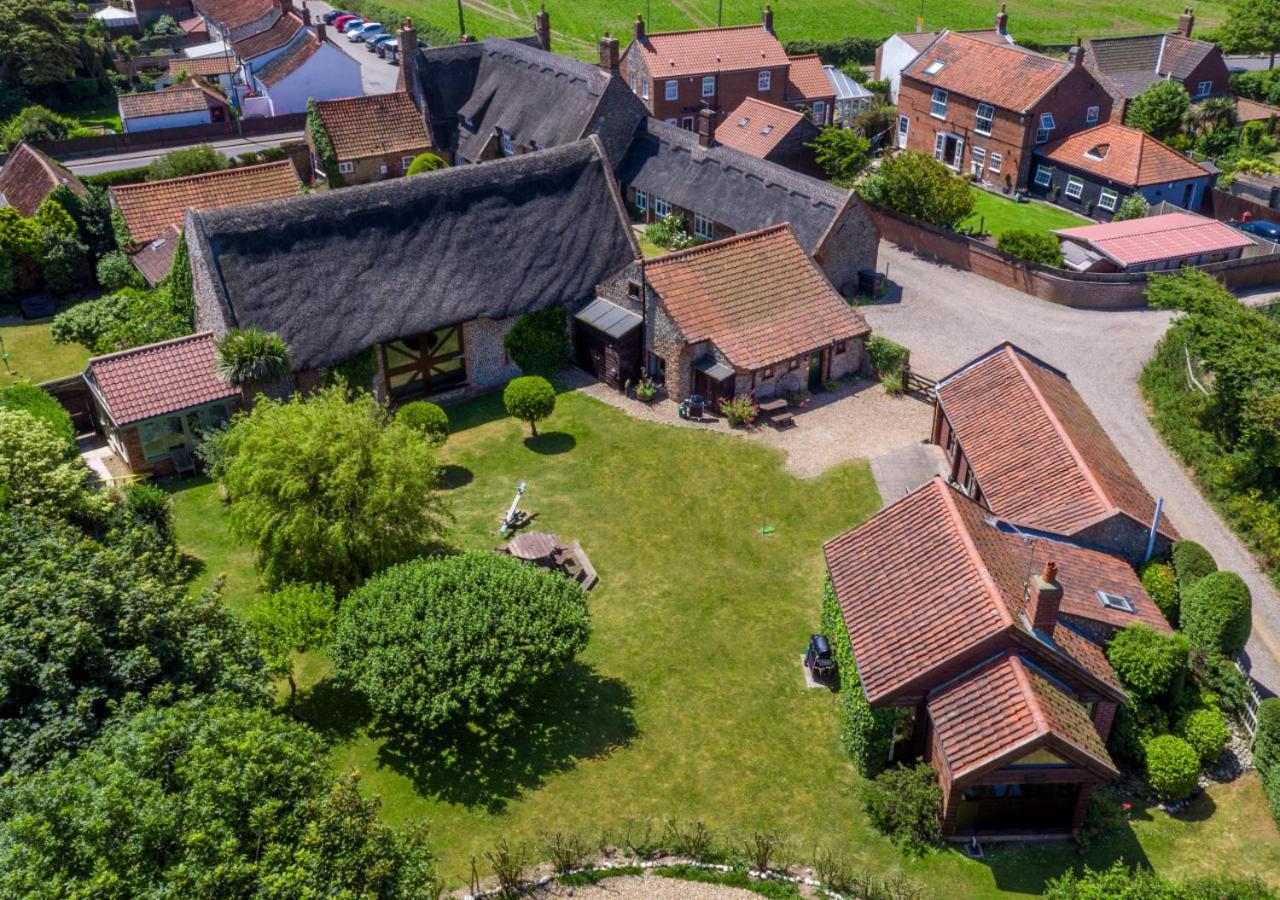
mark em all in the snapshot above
pixel 306 13
pixel 1002 21
pixel 706 128
pixel 609 54
pixel 1076 54
pixel 1046 599
pixel 1186 22
pixel 320 32
pixel 542 28
pixel 638 27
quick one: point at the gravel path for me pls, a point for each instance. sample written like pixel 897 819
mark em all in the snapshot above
pixel 947 317
pixel 649 887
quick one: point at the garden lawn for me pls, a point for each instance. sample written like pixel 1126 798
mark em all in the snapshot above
pixel 33 356
pixel 998 214
pixel 105 116
pixel 689 701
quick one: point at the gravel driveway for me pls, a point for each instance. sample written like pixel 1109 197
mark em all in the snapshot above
pixel 649 887
pixel 946 317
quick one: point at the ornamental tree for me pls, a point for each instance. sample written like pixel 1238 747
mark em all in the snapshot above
pixel 298 618
pixel 426 417
pixel 250 355
pixel 539 342
pixel 1252 26
pixel 463 637
pixel 1216 614
pixel 919 186
pixel 1159 109
pixel 531 399
pixel 842 153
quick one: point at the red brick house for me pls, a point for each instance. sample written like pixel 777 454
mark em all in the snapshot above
pixel 374 137
pixel 983 108
pixel 773 133
pixel 677 73
pixel 29 176
pixel 1025 445
pixel 997 673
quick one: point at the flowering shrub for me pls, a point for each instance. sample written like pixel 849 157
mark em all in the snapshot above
pixel 740 410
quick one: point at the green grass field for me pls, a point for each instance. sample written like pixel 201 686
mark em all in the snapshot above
pixel 105 116
pixel 998 214
pixel 689 700
pixel 33 356
pixel 580 23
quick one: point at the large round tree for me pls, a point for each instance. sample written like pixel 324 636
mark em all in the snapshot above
pixel 459 637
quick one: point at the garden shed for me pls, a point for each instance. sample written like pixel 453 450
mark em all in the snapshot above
pixel 608 342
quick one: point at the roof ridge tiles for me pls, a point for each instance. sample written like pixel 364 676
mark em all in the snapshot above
pixel 971 550
pixel 133 351
pixel 713 246
pixel 743 27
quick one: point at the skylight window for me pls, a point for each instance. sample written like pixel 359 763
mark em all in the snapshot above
pixel 1098 152
pixel 768 129
pixel 934 67
pixel 743 122
pixel 1116 601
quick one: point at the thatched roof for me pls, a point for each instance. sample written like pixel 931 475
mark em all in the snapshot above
pixel 336 272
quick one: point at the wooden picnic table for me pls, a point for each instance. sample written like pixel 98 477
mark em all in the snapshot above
pixel 777 404
pixel 533 545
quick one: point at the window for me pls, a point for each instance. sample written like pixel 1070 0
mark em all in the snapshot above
pixel 672 89
pixel 764 81
pixel 996 160
pixel 382 169
pixel 661 208
pixel 1108 200
pixel 986 115
pixel 160 437
pixel 1046 128
pixel 793 365
pixel 766 374
pixel 767 130
pixel 1044 175
pixel 979 157
pixel 938 105
pixel 934 67
pixel 1115 601
pixel 702 226
pixel 466 120
pixel 642 200
pixel 819 112
pixel 508 145
pixel 633 83
pixel 424 364
pixel 903 124
pixel 346 168
pixel 406 162
pixel 644 88
pixel 841 347
pixel 672 121
pixel 1091 116
pixel 687 123
pixel 1204 89
pixel 1075 187
pixel 708 85
pixel 633 290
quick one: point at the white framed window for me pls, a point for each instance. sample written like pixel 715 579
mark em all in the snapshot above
pixel 644 88
pixel 702 226
pixel 764 81
pixel 978 159
pixel 642 200
pixel 939 145
pixel 938 104
pixel 382 169
pixel 1046 128
pixel 1108 200
pixel 1075 187
pixel 1091 116
pixel 346 168
pixel 1115 601
pixel 1044 175
pixel 994 165
pixel 406 162
pixel 672 89
pixel 661 208
pixel 986 115
pixel 819 112
pixel 904 122
pixel 633 83
pixel 1204 89
pixel 687 123
pixel 508 145
pixel 708 85
pixel 934 67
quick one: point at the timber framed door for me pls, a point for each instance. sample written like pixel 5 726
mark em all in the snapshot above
pixel 424 364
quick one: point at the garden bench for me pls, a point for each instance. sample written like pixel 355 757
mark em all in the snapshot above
pixel 783 420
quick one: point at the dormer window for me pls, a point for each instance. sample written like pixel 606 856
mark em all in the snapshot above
pixel 466 120
pixel 1098 152
pixel 1117 602
pixel 934 67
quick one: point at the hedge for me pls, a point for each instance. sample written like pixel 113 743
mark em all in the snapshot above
pixel 1206 731
pixel 1172 767
pixel 1152 666
pixel 1191 562
pixel 1216 614
pixel 1266 751
pixel 119 176
pixel 865 733
pixel 861 50
pixel 1161 585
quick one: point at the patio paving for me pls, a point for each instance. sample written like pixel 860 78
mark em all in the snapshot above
pixel 902 470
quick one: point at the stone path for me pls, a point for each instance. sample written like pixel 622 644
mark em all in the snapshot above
pixel 901 471
pixel 648 887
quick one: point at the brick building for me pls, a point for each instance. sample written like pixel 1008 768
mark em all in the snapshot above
pixel 983 108
pixel 770 132
pixel 373 137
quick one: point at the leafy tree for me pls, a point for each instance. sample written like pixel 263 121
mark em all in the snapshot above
pixel 65 256
pixel 919 186
pixel 187 161
pixel 458 637
pixel 877 119
pixel 539 342
pixel 92 214
pixel 529 398
pixel 21 239
pixel 35 124
pixel 126 47
pixel 204 798
pixel 1032 246
pixel 298 618
pixel 426 162
pixel 115 273
pixel 426 417
pixel 37 469
pixel 905 805
pixel 1134 206
pixel 89 623
pixel 252 356
pixel 1159 110
pixel 325 153
pixel 1252 26
pixel 165 26
pixel 1216 613
pixel 328 490
pixel 127 318
pixel 1152 666
pixel 43 406
pixel 37 44
pixel 8 275
pixel 842 152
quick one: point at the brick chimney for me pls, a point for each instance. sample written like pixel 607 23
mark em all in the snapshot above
pixel 1002 21
pixel 1186 22
pixel 1076 54
pixel 1046 598
pixel 609 54
pixel 306 13
pixel 638 27
pixel 542 28
pixel 286 6
pixel 320 32
pixel 408 40
pixel 706 128
pixel 767 18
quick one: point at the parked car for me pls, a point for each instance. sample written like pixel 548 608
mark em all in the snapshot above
pixel 343 21
pixel 331 16
pixel 364 32
pixel 374 43
pixel 391 52
pixel 1262 228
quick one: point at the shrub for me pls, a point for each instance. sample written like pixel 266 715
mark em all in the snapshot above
pixel 1206 731
pixel 1135 725
pixel 740 410
pixel 466 636
pixel 670 233
pixel 1134 206
pixel 842 153
pixel 905 805
pixel 1032 246
pixel 1139 883
pixel 297 618
pixel 539 342
pixel 1216 613
pixel 115 272
pixel 43 406
pixel 865 733
pixel 127 318
pixel 529 398
pixel 1221 677
pixel 1161 585
pixel 356 373
pixel 1266 751
pixel 1151 666
pixel 1190 562
pixel 187 161
pixel 919 186
pixel 252 356
pixel 34 124
pixel 37 470
pixel 886 356
pixel 1172 766
pixel 426 417
pixel 1159 109
pixel 426 162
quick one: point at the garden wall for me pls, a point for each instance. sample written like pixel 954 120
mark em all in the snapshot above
pixel 173 137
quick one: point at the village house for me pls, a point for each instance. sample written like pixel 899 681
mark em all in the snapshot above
pixel 1094 170
pixel 900 50
pixel 411 269
pixel 1026 446
pixel 982 108
pixel 987 642
pixel 218 72
pixel 154 211
pixel 29 176
pixel 311 67
pixel 750 315
pixel 373 137
pixel 189 103
pixel 1157 243
pixel 231 20
pixel 256 50
pixel 775 133
pixel 1127 66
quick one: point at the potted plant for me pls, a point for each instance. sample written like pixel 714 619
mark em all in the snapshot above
pixel 740 410
pixel 646 390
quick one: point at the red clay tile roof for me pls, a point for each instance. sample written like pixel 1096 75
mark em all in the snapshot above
pixel 180 98
pixel 282 31
pixel 1122 154
pixel 807 80
pixel 156 259
pixel 1252 111
pixel 193 24
pixel 1006 76
pixel 1007 709
pixel 1169 236
pixel 757 127
pixel 374 125
pixel 159 379
pixel 290 60
pixel 28 177
pixel 1041 458
pixel 757 296
pixel 150 207
pixel 203 66
pixel 709 50
pixel 234 13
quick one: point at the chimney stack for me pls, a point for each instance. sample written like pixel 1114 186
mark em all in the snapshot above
pixel 542 28
pixel 306 13
pixel 320 32
pixel 1002 21
pixel 286 6
pixel 767 18
pixel 609 54
pixel 1076 54
pixel 639 27
pixel 1046 598
pixel 706 127
pixel 1186 22
pixel 408 40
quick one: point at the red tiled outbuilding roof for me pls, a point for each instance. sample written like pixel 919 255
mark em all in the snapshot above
pixel 373 125
pixel 807 80
pixel 234 13
pixel 151 207
pixel 159 379
pixel 203 66
pixel 187 97
pixel 1041 458
pixel 156 259
pixel 1170 236
pixel 709 50
pixel 757 296
pixel 28 177
pixel 1006 76
pixel 281 32
pixel 1123 154
pixel 1252 111
pixel 291 59
pixel 757 127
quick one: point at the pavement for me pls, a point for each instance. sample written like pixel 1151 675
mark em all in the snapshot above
pixel 902 470
pixel 946 317
pixel 1248 63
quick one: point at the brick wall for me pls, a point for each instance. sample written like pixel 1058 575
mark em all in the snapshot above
pixel 851 244
pixel 370 168
pixel 731 89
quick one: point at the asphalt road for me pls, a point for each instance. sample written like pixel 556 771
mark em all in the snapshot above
pixel 233 147
pixel 378 75
pixel 1248 63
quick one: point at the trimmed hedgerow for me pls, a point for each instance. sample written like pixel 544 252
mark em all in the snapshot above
pixel 41 404
pixel 1172 766
pixel 1205 729
pixel 1191 562
pixel 1216 613
pixel 1152 666
pixel 1266 751
pixel 1161 584
pixel 865 733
